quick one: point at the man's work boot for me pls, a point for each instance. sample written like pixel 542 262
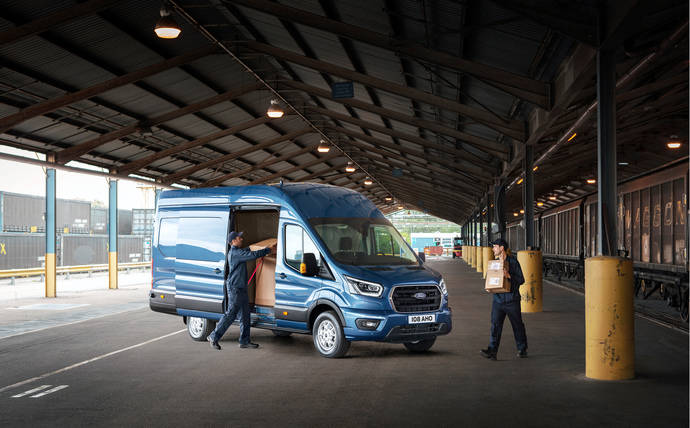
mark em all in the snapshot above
pixel 522 354
pixel 488 353
pixel 249 345
pixel 214 343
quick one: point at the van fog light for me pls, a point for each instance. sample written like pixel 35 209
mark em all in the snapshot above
pixel 367 324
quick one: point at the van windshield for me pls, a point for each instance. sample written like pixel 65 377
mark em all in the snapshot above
pixel 363 241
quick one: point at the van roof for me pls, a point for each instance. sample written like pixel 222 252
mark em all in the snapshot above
pixel 312 200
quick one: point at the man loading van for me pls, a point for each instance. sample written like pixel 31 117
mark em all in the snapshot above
pixel 236 286
pixel 507 304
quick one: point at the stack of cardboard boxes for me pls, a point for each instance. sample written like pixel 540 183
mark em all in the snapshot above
pixel 265 290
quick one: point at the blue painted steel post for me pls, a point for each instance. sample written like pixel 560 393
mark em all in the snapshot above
pixel 50 271
pixel 112 235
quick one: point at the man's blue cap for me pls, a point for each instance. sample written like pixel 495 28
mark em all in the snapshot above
pixel 234 235
pixel 500 242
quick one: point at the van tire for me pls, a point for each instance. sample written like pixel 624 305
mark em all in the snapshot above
pixel 329 338
pixel 199 328
pixel 281 333
pixel 420 345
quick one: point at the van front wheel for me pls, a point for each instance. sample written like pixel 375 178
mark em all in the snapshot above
pixel 329 338
pixel 199 328
pixel 420 345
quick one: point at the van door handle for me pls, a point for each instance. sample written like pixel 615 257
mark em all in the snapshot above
pixel 282 275
pixel 216 270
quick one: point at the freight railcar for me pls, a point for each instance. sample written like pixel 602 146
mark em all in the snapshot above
pixel 651 228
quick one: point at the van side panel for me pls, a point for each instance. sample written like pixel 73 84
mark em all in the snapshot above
pixel 200 259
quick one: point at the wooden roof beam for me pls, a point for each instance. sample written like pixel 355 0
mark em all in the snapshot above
pixel 523 87
pixel 513 128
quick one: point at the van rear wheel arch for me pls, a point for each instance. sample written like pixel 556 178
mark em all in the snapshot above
pixel 323 305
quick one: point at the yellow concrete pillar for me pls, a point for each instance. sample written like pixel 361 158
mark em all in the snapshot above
pixel 51 290
pixel 488 255
pixel 464 253
pixel 609 318
pixel 480 258
pixel 473 256
pixel 112 270
pixel 531 297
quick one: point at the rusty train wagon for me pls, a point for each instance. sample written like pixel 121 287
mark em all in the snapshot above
pixel 651 228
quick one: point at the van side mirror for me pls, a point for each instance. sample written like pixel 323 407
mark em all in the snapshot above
pixel 308 267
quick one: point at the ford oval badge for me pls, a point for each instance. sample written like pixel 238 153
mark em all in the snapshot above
pixel 420 296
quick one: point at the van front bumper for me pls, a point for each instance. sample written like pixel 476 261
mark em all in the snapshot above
pixel 394 326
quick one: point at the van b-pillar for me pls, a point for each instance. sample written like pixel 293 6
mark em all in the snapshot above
pixel 530 259
pixel 112 234
pixel 609 320
pixel 50 234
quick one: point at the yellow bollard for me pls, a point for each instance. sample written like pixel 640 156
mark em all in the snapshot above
pixel 473 256
pixel 609 318
pixel 51 290
pixel 480 258
pixel 488 255
pixel 112 270
pixel 531 297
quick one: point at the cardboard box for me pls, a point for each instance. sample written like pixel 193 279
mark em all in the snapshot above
pixel 265 277
pixel 496 282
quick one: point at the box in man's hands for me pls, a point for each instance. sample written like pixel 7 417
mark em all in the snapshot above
pixel 496 282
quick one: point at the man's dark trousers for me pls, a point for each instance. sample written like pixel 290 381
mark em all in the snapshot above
pixel 238 300
pixel 499 311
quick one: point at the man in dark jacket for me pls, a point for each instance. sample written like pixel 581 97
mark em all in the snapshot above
pixel 507 304
pixel 236 286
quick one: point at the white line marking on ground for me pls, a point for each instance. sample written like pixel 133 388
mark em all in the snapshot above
pixel 73 322
pixel 50 391
pixel 100 357
pixel 31 391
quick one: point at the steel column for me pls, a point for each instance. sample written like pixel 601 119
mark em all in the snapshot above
pixel 606 152
pixel 499 209
pixel 112 235
pixel 489 219
pixel 50 271
pixel 528 198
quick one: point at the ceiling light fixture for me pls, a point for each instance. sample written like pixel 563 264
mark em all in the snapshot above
pixel 552 198
pixel 166 27
pixel 536 167
pixel 368 182
pixel 673 144
pixel 515 214
pixel 401 207
pixel 274 111
pixel 351 168
pixel 540 204
pixel 572 136
pixel 520 181
pixel 522 211
pixel 591 181
pixel 323 147
pixel 623 163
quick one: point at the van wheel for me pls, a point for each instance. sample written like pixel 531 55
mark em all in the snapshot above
pixel 281 333
pixel 420 345
pixel 329 338
pixel 199 328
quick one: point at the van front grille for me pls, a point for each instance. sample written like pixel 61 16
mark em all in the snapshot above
pixel 416 298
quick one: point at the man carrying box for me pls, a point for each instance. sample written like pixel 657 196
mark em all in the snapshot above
pixel 505 302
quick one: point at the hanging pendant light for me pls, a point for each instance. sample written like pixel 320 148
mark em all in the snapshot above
pixel 274 111
pixel 388 199
pixel 323 147
pixel 166 27
pixel 350 167
pixel 368 181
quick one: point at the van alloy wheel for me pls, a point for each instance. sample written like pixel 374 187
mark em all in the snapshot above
pixel 326 336
pixel 199 328
pixel 329 338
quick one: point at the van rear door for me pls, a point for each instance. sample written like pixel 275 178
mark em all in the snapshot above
pixel 200 259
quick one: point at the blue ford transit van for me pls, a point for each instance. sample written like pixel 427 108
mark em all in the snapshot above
pixel 342 272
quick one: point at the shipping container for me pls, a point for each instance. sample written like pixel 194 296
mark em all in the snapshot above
pixel 124 222
pixel 22 250
pixel 26 213
pixel 142 221
pixel 99 220
pixel 93 249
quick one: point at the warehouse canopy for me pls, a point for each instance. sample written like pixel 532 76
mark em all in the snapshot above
pixel 433 101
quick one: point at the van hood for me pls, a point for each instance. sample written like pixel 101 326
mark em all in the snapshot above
pixel 392 275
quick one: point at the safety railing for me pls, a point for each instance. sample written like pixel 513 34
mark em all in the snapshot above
pixel 22 273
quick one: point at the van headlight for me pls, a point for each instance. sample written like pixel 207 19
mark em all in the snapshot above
pixel 364 288
pixel 442 286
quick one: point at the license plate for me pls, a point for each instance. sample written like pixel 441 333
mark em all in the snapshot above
pixel 418 319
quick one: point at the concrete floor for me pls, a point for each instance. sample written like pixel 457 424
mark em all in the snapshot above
pixel 157 376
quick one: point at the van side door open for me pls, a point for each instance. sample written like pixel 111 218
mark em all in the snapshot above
pixel 200 259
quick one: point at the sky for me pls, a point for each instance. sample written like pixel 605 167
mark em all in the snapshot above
pixel 30 179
